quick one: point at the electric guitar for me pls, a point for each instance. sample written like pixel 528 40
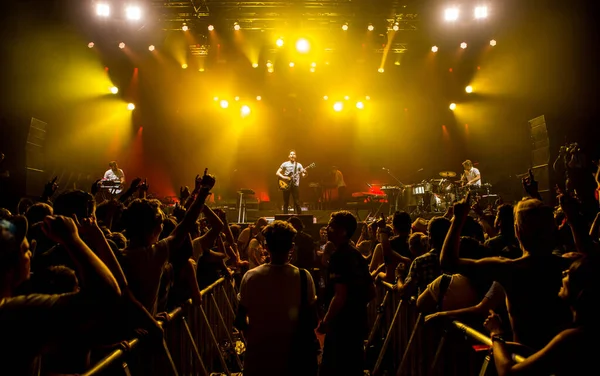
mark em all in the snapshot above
pixel 284 185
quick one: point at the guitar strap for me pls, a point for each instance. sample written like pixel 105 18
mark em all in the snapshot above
pixel 294 174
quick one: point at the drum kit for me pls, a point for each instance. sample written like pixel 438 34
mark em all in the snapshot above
pixel 437 195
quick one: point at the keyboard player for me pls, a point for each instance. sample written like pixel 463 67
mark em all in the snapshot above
pixel 114 179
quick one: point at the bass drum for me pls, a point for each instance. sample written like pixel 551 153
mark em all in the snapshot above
pixel 440 203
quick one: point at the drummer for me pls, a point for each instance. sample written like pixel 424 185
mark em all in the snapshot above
pixel 471 177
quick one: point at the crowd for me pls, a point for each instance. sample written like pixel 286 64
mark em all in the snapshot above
pixel 77 278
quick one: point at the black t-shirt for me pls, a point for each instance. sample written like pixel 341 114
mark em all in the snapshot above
pixel 399 245
pixel 348 267
pixel 305 251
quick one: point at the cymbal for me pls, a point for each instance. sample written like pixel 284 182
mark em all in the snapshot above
pixel 447 174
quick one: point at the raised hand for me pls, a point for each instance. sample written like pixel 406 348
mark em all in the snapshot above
pixel 184 193
pixel 531 185
pixel 144 186
pixel 135 184
pixel 60 229
pixel 208 181
pixel 462 208
pixel 50 187
pixel 88 227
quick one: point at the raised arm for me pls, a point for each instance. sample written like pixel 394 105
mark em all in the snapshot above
pixel 216 226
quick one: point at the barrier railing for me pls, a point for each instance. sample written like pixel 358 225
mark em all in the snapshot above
pixel 198 340
pixel 400 342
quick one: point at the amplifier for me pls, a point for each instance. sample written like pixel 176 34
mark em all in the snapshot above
pixel 307 219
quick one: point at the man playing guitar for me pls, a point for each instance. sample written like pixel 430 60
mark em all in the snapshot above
pixel 290 172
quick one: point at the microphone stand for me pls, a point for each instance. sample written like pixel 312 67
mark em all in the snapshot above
pixel 397 194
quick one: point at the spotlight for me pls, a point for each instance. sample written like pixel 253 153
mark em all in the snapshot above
pixel 314 65
pixel 270 70
pixel 380 70
pixel 312 69
pixel 131 106
pixel 269 64
pixel 151 47
pixel 370 27
pixel 292 64
pixel 481 12
pixel 245 111
pixel 451 14
pixel 91 45
pixel 133 13
pixel 302 45
pixel 368 98
pixel 338 106
pixel 360 105
pixel 258 98
pixel 279 42
pixel 395 27
pixel 493 42
pixel 103 10
pixel 236 26
pixel 463 45
pixel 185 27
pixel 224 104
pixel 184 66
pixel 201 70
pixel 121 45
pixel 345 27
pixel 254 65
pixel 237 98
pixel 114 90
pixel 325 97
pixel 434 49
pixel 211 27
pixel 347 98
pixel 452 106
pixel 469 89
pixel 215 98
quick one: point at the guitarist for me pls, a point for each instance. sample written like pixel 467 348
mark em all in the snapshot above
pixel 291 172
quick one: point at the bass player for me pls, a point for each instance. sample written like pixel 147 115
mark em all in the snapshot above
pixel 290 171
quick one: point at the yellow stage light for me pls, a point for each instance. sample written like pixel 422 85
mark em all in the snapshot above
pixel 380 70
pixel 121 45
pixel 338 106
pixel 258 98
pixel 103 10
pixel 131 106
pixel 360 105
pixel 370 27
pixel 215 98
pixel 279 42
pixel 185 27
pixel 493 42
pixel 347 97
pixel 151 48
pixel 245 110
pixel 345 27
pixel 184 66
pixel 133 13
pixel 269 64
pixel 325 97
pixel 313 65
pixel 463 45
pixel 434 49
pixel 452 106
pixel 91 45
pixel 395 27
pixel 481 12
pixel 270 70
pixel 254 65
pixel 451 14
pixel 312 70
pixel 368 98
pixel 224 104
pixel 302 45
pixel 237 98
pixel 291 64
pixel 469 89
pixel 114 90
pixel 201 70
pixel 236 26
pixel 211 27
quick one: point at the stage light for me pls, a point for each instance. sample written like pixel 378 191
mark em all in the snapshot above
pixel 312 69
pixel 451 14
pixel 151 47
pixel 279 42
pixel 270 70
pixel 463 45
pixel 91 45
pixel 302 45
pixel 292 64
pixel 360 105
pixel 370 27
pixel 368 98
pixel 201 70
pixel 133 13
pixel 102 10
pixel 114 90
pixel 245 111
pixel 347 98
pixel 380 70
pixel 215 98
pixel 131 106
pixel 493 42
pixel 121 45
pixel 396 27
pixel 269 64
pixel 345 27
pixel 237 98
pixel 325 97
pixel 184 66
pixel 452 106
pixel 338 106
pixel 469 89
pixel 481 12
pixel 236 26
pixel 258 98
pixel 224 104
pixel 434 49
pixel 185 28
pixel 254 65
pixel 211 27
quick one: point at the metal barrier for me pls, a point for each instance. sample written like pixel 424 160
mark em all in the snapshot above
pixel 404 345
pixel 198 340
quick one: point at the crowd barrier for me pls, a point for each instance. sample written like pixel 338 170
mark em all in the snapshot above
pixel 400 343
pixel 198 340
